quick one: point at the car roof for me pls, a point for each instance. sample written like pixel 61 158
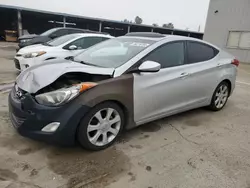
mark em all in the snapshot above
pixel 168 38
pixel 76 36
pixel 156 36
pixel 143 38
pixel 79 29
pixel 79 35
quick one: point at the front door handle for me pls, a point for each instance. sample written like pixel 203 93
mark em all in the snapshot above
pixel 184 74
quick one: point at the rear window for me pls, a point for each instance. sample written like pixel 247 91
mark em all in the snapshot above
pixel 198 52
pixel 72 31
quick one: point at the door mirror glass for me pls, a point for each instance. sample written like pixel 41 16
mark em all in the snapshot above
pixel 72 47
pixel 149 66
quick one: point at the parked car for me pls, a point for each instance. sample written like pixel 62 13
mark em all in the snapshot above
pixel 62 47
pixel 119 84
pixel 32 39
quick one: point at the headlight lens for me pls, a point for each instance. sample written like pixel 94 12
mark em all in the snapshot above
pixel 61 96
pixel 34 54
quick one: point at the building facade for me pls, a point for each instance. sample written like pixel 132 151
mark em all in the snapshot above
pixel 228 27
pixel 21 20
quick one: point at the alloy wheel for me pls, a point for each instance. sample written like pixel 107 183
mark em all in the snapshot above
pixel 104 126
pixel 221 96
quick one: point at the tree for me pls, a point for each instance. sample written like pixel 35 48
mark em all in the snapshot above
pixel 127 21
pixel 155 25
pixel 138 20
pixel 169 25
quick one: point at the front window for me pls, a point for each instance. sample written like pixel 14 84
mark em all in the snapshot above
pixel 168 55
pixel 61 40
pixel 114 52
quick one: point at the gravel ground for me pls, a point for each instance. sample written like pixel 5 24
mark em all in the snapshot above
pixel 194 149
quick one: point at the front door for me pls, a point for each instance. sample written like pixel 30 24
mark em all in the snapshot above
pixel 161 93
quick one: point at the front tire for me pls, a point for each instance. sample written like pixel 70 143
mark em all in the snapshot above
pixel 220 96
pixel 101 126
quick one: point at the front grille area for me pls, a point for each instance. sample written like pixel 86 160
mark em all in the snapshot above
pixel 17 64
pixel 16 121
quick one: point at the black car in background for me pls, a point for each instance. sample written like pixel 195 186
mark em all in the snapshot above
pixel 27 40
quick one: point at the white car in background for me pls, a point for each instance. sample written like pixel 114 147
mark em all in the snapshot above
pixel 62 47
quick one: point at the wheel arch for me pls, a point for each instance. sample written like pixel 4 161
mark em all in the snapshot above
pixel 124 109
pixel 229 84
pixel 129 120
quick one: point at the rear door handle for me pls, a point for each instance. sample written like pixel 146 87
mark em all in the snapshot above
pixel 184 74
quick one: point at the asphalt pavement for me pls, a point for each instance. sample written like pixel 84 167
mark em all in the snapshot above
pixel 195 149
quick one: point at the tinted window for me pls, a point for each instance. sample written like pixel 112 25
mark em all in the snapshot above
pixel 60 32
pixel 114 52
pixel 85 42
pixel 71 31
pixel 46 33
pixel 79 43
pixel 168 55
pixel 198 52
pixel 90 41
pixel 61 40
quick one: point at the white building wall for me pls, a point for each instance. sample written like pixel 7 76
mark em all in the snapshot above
pixel 232 15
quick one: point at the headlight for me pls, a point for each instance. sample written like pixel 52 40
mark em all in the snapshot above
pixel 34 54
pixel 61 96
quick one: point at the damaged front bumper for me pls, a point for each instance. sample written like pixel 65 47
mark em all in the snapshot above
pixel 29 118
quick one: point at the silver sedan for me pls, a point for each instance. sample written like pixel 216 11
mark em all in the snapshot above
pixel 120 84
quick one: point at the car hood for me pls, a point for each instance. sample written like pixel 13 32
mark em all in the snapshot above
pixel 39 76
pixel 36 40
pixel 34 48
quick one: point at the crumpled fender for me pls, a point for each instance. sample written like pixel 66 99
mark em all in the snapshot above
pixel 40 76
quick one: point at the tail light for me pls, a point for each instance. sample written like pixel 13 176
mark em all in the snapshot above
pixel 235 62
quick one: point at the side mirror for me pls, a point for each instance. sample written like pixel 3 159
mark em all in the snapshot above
pixel 149 66
pixel 72 47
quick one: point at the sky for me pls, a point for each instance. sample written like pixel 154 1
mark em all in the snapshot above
pixel 184 14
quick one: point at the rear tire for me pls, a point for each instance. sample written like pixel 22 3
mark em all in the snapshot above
pixel 220 97
pixel 101 126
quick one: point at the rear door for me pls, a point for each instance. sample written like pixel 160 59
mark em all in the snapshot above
pixel 204 70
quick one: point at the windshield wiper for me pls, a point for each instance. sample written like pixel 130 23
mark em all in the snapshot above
pixel 86 63
pixel 82 62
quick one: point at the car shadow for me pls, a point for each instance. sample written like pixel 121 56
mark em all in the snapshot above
pixel 190 118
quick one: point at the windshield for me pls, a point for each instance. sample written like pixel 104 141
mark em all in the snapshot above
pixel 114 52
pixel 46 33
pixel 61 40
